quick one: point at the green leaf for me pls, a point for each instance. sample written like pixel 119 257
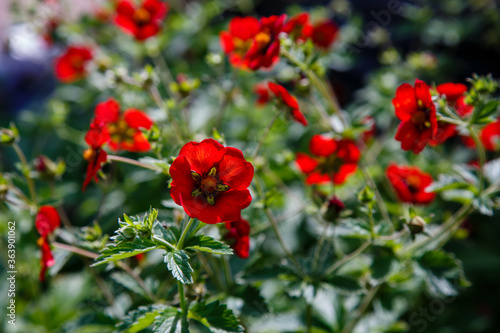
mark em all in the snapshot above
pixel 156 162
pixel 166 321
pixel 169 233
pixel 207 244
pixel 178 264
pixel 382 262
pixel 130 283
pixel 216 315
pixel 114 252
pixel 492 170
pixel 485 112
pixel 446 183
pixel 141 318
pixel 344 284
pixel 439 267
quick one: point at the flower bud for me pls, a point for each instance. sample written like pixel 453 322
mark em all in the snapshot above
pixel 366 195
pixel 417 225
pixel 335 207
pixel 128 232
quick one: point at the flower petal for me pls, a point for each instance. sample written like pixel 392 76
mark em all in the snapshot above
pixel 322 146
pixel 234 170
pixel 202 156
pixel 137 119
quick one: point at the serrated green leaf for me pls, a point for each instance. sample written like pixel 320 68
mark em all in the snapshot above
pixel 114 252
pixel 178 263
pixel 216 315
pixel 141 318
pixel 207 244
pixel 485 111
pixel 446 183
pixel 439 267
pixel 344 284
pixel 167 321
pixel 130 283
pixel 170 233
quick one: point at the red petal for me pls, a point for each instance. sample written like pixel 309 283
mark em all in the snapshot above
pixel 157 9
pixel 234 170
pixel 226 42
pixel 182 180
pixel 408 135
pixel 490 136
pixel 107 112
pixel 405 102
pixel 281 93
pixel 324 34
pixel 344 172
pixel 322 146
pixel 242 247
pixel 147 31
pixel 204 155
pixel 97 135
pixel 348 151
pixel 127 24
pixel 141 143
pixel 317 178
pixel 47 220
pixel 452 91
pixel 244 27
pixel 125 8
pixel 422 93
pixel 299 117
pixel 305 163
pixel 137 119
pixel 93 168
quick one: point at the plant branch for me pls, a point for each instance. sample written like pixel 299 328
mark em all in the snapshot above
pixel 29 180
pixel 266 132
pixel 336 265
pixel 133 162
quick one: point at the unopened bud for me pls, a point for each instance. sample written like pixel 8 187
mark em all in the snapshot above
pixel 417 225
pixel 335 207
pixel 366 195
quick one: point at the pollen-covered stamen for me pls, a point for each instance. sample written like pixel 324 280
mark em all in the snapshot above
pixel 263 39
pixel 121 132
pixel 209 185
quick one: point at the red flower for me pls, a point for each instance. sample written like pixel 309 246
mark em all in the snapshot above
pixel 289 101
pixel 252 43
pixel 47 220
pixel 141 22
pixel 298 27
pixel 70 66
pixel 239 231
pixel 454 93
pixel 371 131
pixel 415 109
pixel 211 181
pixel 324 34
pixel 410 183
pixel 262 91
pixel 123 129
pixel 334 160
pixel 490 136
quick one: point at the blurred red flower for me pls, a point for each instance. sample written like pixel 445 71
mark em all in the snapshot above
pixel 417 113
pixel 239 232
pixel 490 136
pixel 96 137
pixel 324 34
pixel 289 101
pixel 211 181
pixel 298 27
pixel 123 128
pixel 70 66
pixel 410 183
pixel 142 21
pixel 333 160
pixel 251 43
pixel 46 221
pixel 262 91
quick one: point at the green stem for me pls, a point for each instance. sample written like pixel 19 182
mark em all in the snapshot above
pixel 317 251
pixel 182 298
pixel 266 132
pixel 133 162
pixel 363 306
pixel 481 154
pixel 372 221
pixel 180 243
pixel 164 242
pixel 227 272
pixel 450 120
pixel 347 258
pixel 29 180
pixel 320 85
pixel 162 105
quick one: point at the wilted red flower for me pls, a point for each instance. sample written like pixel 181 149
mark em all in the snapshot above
pixel 239 231
pixel 143 21
pixel 252 43
pixel 70 66
pixel 324 34
pixel 333 160
pixel 262 91
pixel 417 112
pixel 47 220
pixel 490 136
pixel 123 128
pixel 289 101
pixel 298 27
pixel 410 183
pixel 334 208
pixel 211 181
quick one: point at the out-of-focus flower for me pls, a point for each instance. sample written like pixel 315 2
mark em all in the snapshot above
pixel 410 183
pixel 251 43
pixel 415 109
pixel 211 181
pixel 332 160
pixel 288 101
pixel 298 27
pixel 334 208
pixel 239 232
pixel 124 129
pixel 455 95
pixel 47 220
pixel 490 136
pixel 262 91
pixel 324 34
pixel 95 155
pixel 71 65
pixel 141 21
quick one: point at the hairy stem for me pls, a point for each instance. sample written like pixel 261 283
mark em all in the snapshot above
pixel 133 162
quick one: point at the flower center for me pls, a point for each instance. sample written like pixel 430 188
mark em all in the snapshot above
pixel 413 183
pixel 121 132
pixel 89 154
pixel 241 46
pixel 76 61
pixel 262 39
pixel 330 164
pixel 142 16
pixel 209 185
